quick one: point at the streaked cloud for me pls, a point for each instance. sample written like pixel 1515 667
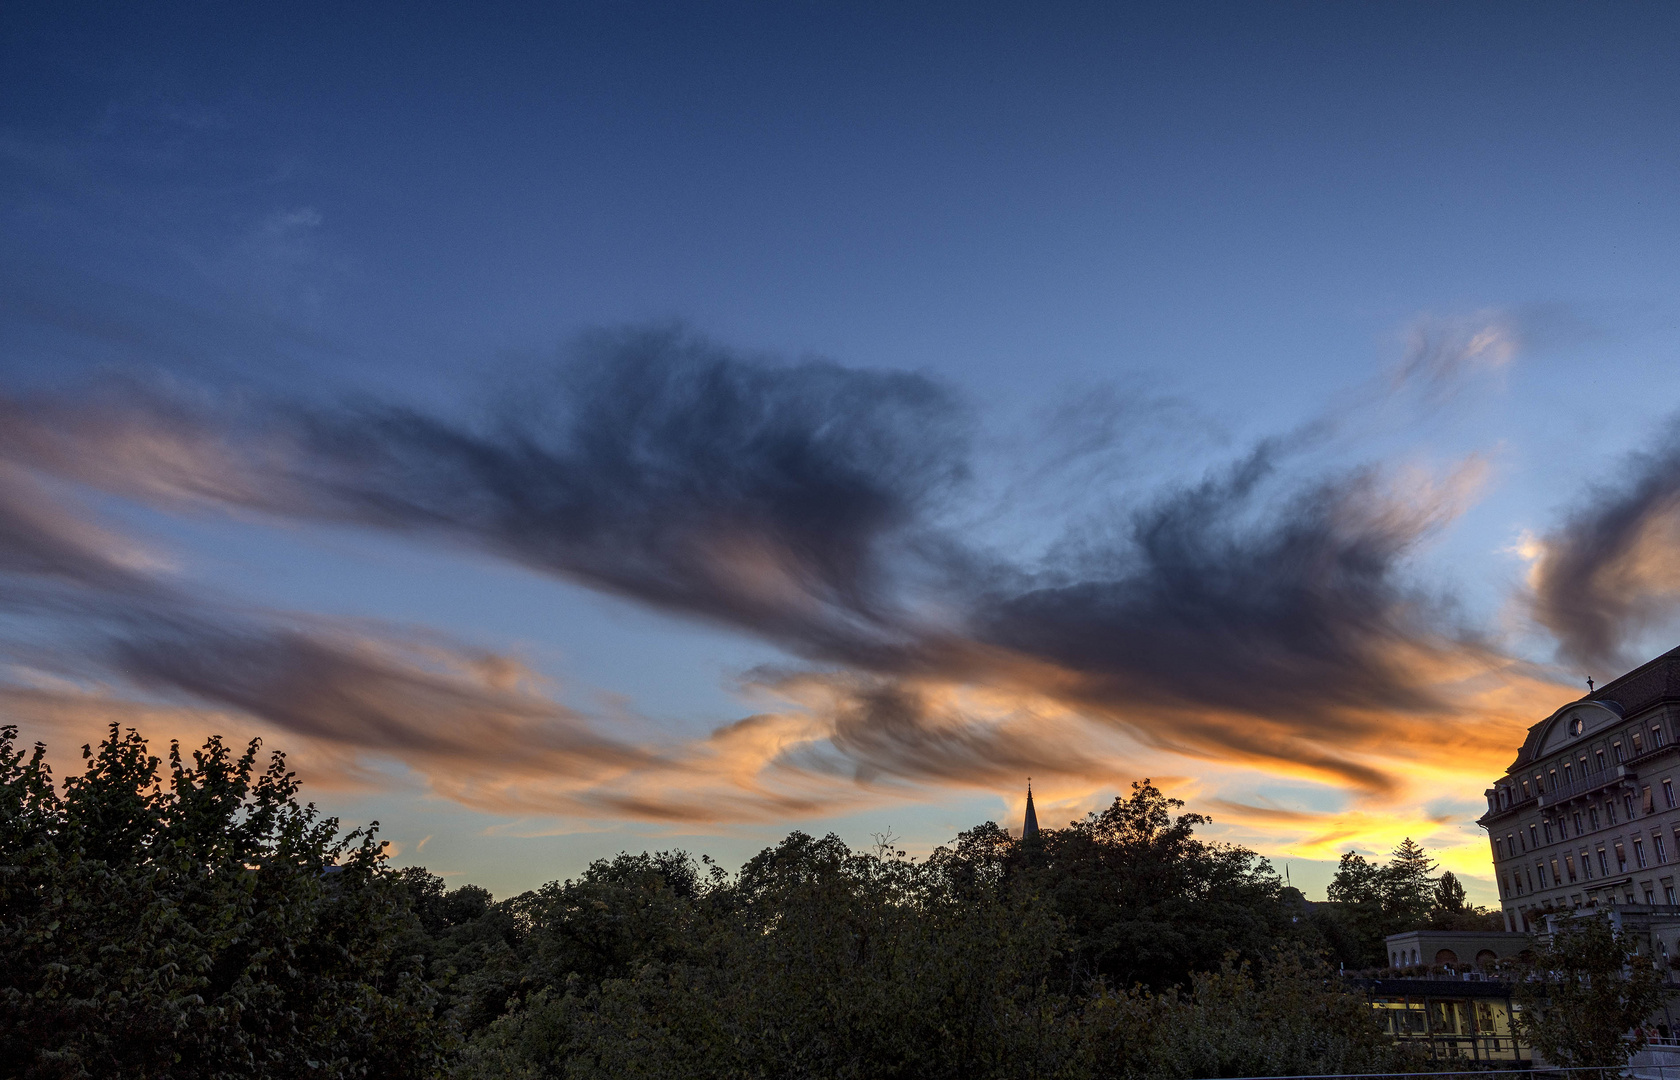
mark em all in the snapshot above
pixel 1611 570
pixel 1264 616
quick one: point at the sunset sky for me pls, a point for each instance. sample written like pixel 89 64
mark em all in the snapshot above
pixel 566 429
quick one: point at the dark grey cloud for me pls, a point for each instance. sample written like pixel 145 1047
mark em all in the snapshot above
pixel 86 605
pixel 1253 614
pixel 1612 569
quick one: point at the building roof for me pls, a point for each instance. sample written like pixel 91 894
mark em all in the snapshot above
pixel 1649 684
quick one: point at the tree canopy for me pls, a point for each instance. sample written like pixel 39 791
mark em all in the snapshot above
pixel 192 920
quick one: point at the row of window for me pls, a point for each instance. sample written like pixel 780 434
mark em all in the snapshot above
pixel 1524 923
pixel 1511 882
pixel 1564 773
pixel 1585 820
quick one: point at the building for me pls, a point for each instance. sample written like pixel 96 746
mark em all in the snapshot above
pixel 1588 815
pixel 1451 1019
pixel 1461 950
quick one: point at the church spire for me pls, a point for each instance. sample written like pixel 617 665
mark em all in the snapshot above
pixel 1029 826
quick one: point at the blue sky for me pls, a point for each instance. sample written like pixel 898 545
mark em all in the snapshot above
pixel 1422 256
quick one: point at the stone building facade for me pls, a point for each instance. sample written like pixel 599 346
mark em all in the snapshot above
pixel 1589 813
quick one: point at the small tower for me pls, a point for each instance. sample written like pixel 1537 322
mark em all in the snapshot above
pixel 1029 826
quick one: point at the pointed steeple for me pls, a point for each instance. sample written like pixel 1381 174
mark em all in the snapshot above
pixel 1029 827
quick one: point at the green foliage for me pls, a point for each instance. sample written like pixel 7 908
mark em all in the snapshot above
pixel 196 922
pixel 192 920
pixel 1369 901
pixel 1593 988
pixel 1144 900
pixel 1294 1018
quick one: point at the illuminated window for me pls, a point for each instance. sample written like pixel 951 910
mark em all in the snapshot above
pixel 1568 865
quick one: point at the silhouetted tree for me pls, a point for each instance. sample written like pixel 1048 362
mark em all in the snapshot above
pixel 195 921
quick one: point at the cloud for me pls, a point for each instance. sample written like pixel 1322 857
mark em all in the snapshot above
pixel 1441 352
pixel 1256 615
pixel 1611 570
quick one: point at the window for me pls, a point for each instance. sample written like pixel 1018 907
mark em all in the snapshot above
pixel 1510 844
pixel 1531 880
pixel 1603 862
pixel 1610 811
pixel 1551 780
pixel 1616 748
pixel 1621 859
pixel 1583 766
pixel 1525 789
pixel 1541 868
pixel 1586 865
pixel 1656 736
pixel 1592 816
pixel 1668 793
pixel 1627 803
pixel 1668 895
pixel 1497 846
pixel 1578 829
pixel 1548 827
pixel 1567 773
pixel 1645 799
pixel 1639 851
pixel 1657 846
pixel 1650 896
pixel 1638 744
pixel 1568 865
pixel 1600 755
pixel 1533 837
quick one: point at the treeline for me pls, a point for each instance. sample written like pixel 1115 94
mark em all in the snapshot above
pixel 190 918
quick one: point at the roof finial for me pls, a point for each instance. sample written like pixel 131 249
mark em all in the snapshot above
pixel 1589 684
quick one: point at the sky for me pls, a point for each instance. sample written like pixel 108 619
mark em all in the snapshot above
pixel 565 429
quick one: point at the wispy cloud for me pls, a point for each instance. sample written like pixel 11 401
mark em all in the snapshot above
pixel 1261 615
pixel 1611 570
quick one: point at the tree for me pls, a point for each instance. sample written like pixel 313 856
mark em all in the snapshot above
pixel 196 922
pixel 1146 901
pixel 1408 886
pixel 1593 989
pixel 1449 893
